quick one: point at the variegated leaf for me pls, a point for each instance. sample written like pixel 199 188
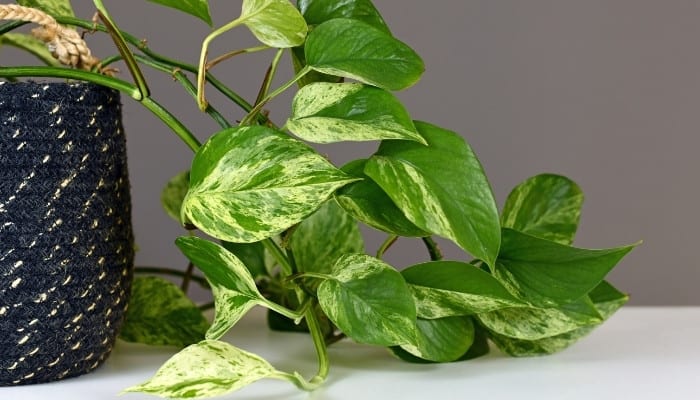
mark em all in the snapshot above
pixel 319 241
pixel 56 8
pixel 369 301
pixel 174 193
pixel 229 307
pixel 276 23
pixel 251 183
pixel 31 45
pixel 443 339
pixel 547 206
pixel 449 288
pixel 547 273
pixel 206 369
pixel 197 8
pixel 333 112
pixel 441 188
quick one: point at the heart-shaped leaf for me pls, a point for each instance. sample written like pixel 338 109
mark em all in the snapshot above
pixel 320 240
pixel 196 8
pixel 442 339
pixel 441 188
pixel 450 288
pixel 368 202
pixel 328 112
pixel 547 273
pixel 547 206
pixel 319 11
pixel 206 369
pixel 174 193
pixel 353 49
pixel 276 23
pixel 250 183
pixel 161 314
pixel 369 301
pixel 56 8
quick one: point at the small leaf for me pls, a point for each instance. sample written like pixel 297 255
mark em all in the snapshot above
pixel 252 255
pixel 196 8
pixel 547 206
pixel 367 202
pixel 449 288
pixel 443 339
pixel 353 49
pixel 276 23
pixel 546 273
pixel 317 12
pixel 206 369
pixel 174 193
pixel 369 301
pixel 160 313
pixel 320 240
pixel 31 45
pixel 328 112
pixel 250 183
pixel 441 188
pixel 229 307
pixel 55 8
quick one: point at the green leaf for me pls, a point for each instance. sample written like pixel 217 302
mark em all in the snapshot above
pixel 353 49
pixel 607 300
pixel 206 369
pixel 276 23
pixel 531 323
pixel 441 188
pixel 250 183
pixel 196 8
pixel 449 288
pixel 160 313
pixel 367 202
pixel 174 193
pixel 233 287
pixel 317 12
pixel 443 339
pixel 546 273
pixel 328 112
pixel 369 301
pixel 55 8
pixel 547 206
pixel 320 240
pixel 31 45
pixel 252 255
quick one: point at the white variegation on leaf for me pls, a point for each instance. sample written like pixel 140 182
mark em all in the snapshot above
pixel 229 307
pixel 332 112
pixel 276 23
pixel 206 369
pixel 251 183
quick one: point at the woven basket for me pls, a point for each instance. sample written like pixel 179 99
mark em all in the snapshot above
pixel 66 242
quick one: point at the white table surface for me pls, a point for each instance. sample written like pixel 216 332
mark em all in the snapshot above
pixel 640 353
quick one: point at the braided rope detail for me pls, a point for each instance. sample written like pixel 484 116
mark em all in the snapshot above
pixel 65 44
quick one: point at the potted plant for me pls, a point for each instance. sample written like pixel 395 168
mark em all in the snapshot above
pixel 282 220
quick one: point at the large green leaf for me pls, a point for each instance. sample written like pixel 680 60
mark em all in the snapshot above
pixel 328 112
pixel 546 206
pixel 197 8
pixel 31 45
pixel 250 183
pixel 441 188
pixel 369 301
pixel 353 49
pixel 606 299
pixel 174 193
pixel 319 11
pixel 368 202
pixel 233 287
pixel 206 369
pixel 530 323
pixel 55 8
pixel 450 288
pixel 320 240
pixel 277 23
pixel 161 314
pixel 443 339
pixel 547 273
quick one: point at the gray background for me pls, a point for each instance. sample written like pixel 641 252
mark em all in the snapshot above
pixel 603 91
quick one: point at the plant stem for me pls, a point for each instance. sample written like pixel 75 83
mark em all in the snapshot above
pixel 269 76
pixel 187 277
pixel 173 123
pixel 253 113
pixel 201 281
pixel 385 246
pixel 211 64
pixel 54 72
pixel 433 249
pixel 279 255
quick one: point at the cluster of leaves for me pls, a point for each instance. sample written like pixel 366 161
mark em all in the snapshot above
pixel 286 222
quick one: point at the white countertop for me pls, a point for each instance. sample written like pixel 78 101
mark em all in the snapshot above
pixel 640 353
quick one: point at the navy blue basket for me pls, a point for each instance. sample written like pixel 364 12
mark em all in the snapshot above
pixel 66 241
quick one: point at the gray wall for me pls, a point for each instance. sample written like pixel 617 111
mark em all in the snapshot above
pixel 604 91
